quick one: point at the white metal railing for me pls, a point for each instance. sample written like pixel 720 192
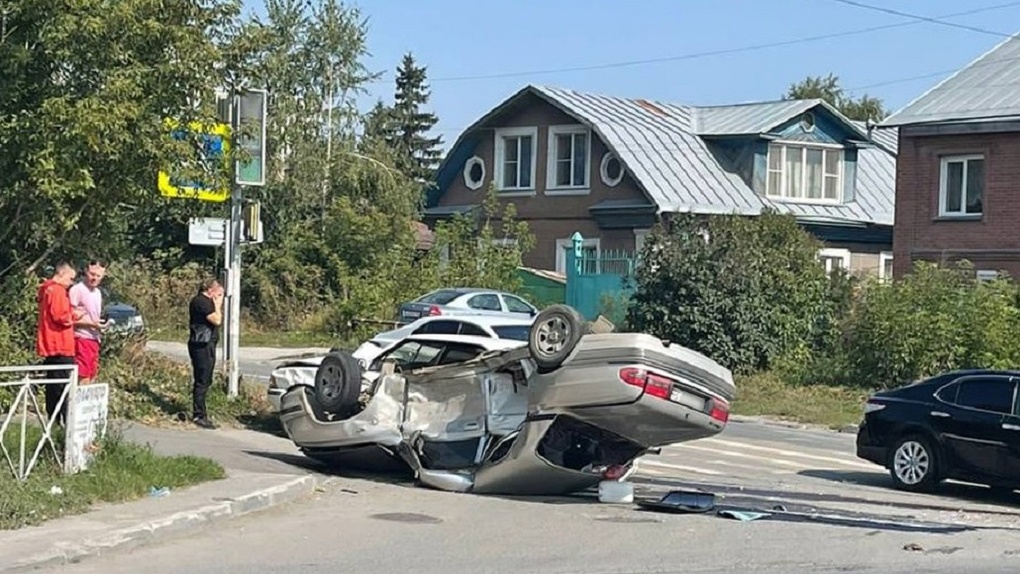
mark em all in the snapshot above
pixel 19 410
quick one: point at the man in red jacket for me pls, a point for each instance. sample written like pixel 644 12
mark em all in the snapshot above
pixel 54 340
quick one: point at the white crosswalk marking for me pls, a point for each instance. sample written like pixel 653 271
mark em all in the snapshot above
pixel 790 453
pixel 747 459
pixel 654 463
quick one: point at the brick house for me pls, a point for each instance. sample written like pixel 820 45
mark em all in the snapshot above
pixel 611 167
pixel 957 170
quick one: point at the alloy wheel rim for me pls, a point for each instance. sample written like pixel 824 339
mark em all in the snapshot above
pixel 911 463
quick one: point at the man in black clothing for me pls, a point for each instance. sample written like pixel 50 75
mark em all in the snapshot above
pixel 205 314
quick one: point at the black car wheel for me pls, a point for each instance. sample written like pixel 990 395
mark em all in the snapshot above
pixel 338 383
pixel 554 335
pixel 914 464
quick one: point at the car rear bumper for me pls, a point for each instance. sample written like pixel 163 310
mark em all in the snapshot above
pixel 868 449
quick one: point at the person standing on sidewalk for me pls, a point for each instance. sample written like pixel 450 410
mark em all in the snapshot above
pixel 205 314
pixel 87 299
pixel 54 340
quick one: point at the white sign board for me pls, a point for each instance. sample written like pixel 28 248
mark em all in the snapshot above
pixel 87 412
pixel 207 231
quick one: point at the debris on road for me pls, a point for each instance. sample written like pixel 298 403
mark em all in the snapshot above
pixel 742 515
pixel 684 501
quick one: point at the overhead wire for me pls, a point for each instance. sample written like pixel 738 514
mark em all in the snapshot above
pixel 940 20
pixel 741 49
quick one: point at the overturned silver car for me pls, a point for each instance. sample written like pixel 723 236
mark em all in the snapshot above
pixel 572 408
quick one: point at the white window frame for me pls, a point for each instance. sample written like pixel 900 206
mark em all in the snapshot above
pixel 563 244
pixel 473 185
pixel 882 258
pixel 835 253
pixel 604 169
pixel 551 187
pixel 986 275
pixel 498 168
pixel 784 146
pixel 639 240
pixel 944 162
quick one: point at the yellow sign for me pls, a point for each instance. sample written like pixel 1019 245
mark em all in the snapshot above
pixel 216 144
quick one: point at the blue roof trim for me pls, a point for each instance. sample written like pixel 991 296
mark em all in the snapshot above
pixel 452 166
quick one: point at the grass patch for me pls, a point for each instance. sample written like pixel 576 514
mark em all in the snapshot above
pixel 156 390
pixel 767 395
pixel 120 472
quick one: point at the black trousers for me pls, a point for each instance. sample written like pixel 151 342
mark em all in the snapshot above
pixel 203 362
pixel 54 390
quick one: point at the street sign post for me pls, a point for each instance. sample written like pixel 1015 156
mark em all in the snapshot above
pixel 246 129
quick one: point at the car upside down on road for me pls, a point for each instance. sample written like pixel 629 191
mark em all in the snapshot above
pixel 570 409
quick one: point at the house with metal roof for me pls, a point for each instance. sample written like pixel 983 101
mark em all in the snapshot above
pixel 611 167
pixel 957 168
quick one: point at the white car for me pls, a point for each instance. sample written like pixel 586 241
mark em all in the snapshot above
pixel 495 326
pixel 411 352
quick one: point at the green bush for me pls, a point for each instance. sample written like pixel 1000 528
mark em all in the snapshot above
pixel 935 319
pixel 746 291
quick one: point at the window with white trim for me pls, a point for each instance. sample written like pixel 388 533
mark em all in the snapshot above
pixel 590 247
pixel 569 158
pixel 516 151
pixel 885 265
pixel 611 169
pixel 805 172
pixel 639 240
pixel 961 185
pixel 984 275
pixel 833 259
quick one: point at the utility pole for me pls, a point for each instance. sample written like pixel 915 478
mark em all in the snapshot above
pixel 233 262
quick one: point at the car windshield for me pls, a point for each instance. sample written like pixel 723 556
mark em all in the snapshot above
pixel 439 297
pixel 512 332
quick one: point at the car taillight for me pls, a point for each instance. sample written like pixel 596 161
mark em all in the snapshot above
pixel 872 405
pixel 655 385
pixel 720 410
pixel 434 310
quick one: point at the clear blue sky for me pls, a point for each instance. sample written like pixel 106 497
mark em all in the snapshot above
pixel 459 39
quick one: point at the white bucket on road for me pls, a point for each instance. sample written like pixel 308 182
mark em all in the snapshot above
pixel 615 492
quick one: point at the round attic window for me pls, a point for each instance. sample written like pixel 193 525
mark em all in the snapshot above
pixel 474 173
pixel 807 121
pixel 611 169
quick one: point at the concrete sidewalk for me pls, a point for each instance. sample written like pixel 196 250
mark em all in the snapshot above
pixel 263 471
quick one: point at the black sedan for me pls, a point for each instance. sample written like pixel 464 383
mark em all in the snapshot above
pixel 962 425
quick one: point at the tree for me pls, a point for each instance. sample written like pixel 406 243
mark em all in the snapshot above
pixel 745 291
pixel 418 154
pixel 865 108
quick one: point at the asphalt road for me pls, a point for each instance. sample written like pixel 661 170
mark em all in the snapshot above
pixel 255 362
pixel 826 510
pixel 385 525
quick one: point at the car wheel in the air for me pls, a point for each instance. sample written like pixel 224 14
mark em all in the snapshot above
pixel 554 335
pixel 338 383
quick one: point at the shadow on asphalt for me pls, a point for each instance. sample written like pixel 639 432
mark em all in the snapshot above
pixel 947 491
pixel 773 497
pixel 383 472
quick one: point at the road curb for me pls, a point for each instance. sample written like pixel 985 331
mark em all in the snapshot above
pixel 167 527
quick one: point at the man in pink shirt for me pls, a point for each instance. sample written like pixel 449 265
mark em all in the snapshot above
pixel 88 299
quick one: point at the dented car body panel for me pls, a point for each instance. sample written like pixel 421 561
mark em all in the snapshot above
pixel 499 424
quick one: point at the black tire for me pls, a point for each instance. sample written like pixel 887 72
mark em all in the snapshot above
pixel 914 464
pixel 554 335
pixel 338 383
